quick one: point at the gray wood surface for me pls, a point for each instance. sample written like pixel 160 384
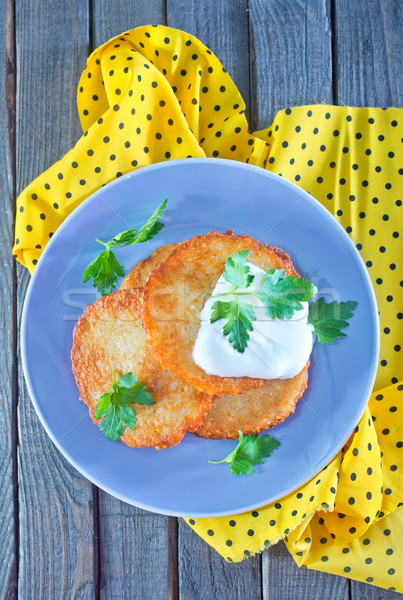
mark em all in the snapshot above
pixel 56 550
pixel 71 540
pixel 291 59
pixel 138 557
pixel 8 431
pixel 283 579
pixel 204 574
pixel 368 49
pixel 111 17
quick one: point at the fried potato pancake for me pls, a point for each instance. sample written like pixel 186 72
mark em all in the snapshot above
pixel 174 296
pixel 254 410
pixel 141 272
pixel 109 336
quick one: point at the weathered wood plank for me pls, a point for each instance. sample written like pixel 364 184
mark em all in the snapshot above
pixel 283 579
pixel 137 548
pixel 112 17
pixel 291 62
pixel 223 27
pixel 56 517
pixel 369 46
pixel 136 559
pixel 204 575
pixel 364 591
pixel 8 558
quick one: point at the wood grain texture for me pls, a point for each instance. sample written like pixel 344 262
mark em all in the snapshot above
pixel 145 555
pixel 222 25
pixel 369 46
pixel 291 62
pixel 8 558
pixel 283 579
pixel 364 591
pixel 135 553
pixel 204 575
pixel 111 17
pixel 56 520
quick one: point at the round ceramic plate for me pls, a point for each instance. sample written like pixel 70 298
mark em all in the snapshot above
pixel 203 194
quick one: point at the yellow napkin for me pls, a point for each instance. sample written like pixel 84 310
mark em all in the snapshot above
pixel 156 93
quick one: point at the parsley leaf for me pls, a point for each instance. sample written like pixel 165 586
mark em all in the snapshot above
pixel 240 317
pixel 105 269
pixel 281 296
pixel 145 233
pixel 114 407
pixel 237 271
pixel 152 227
pixel 328 319
pixel 251 450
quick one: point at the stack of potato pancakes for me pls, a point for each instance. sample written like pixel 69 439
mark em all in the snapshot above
pixel 149 326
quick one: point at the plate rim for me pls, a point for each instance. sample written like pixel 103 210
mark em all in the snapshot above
pixel 168 164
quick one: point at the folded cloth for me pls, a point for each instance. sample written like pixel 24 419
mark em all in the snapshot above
pixel 156 93
pixel 347 520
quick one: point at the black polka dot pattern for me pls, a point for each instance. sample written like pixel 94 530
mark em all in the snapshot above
pixel 348 534
pixel 139 103
pixel 374 205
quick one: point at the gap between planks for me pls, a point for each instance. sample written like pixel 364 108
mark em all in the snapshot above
pixel 12 591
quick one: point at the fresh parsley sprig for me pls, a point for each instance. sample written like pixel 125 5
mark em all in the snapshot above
pixel 105 269
pixel 114 407
pixel 236 270
pixel 329 319
pixel 251 450
pixel 280 295
pixel 240 317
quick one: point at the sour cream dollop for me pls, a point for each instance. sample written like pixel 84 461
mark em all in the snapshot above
pixel 277 348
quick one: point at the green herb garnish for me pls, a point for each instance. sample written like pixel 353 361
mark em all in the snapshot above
pixel 239 317
pixel 280 295
pixel 237 271
pixel 251 450
pixel 114 407
pixel 329 319
pixel 105 269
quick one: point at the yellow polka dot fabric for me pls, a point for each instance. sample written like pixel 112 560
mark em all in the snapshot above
pixel 154 94
pixel 347 520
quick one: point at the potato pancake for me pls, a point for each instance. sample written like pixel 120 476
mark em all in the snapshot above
pixel 141 272
pixel 254 410
pixel 174 296
pixel 109 336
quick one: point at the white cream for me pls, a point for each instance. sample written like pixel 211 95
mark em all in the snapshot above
pixel 277 348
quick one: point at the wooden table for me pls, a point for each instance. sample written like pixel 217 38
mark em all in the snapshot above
pixel 61 537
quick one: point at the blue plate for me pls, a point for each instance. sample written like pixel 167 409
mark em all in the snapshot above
pixel 203 194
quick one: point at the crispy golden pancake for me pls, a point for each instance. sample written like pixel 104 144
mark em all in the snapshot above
pixel 109 336
pixel 254 410
pixel 176 292
pixel 141 272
